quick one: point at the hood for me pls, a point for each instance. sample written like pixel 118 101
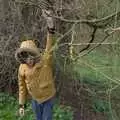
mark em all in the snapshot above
pixel 27 48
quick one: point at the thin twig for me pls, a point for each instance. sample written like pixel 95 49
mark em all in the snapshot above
pixel 85 53
pixel 80 44
pixel 56 44
pixel 117 81
pixel 87 21
pixel 92 39
pixel 76 21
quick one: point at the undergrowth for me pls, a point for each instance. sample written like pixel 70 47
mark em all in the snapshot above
pixel 9 110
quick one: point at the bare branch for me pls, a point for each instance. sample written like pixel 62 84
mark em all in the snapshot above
pixel 88 21
pixel 112 30
pixel 90 50
pixel 92 39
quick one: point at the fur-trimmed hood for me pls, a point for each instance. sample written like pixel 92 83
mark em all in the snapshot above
pixel 27 47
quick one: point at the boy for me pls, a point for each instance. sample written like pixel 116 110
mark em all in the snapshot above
pixel 36 77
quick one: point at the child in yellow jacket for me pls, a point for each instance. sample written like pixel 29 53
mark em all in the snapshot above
pixel 35 76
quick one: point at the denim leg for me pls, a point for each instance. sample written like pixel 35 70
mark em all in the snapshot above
pixel 37 109
pixel 47 109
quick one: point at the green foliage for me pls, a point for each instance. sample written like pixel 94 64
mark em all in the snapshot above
pixel 100 105
pixel 7 107
pixel 62 113
pixel 9 110
pixel 103 106
pixel 99 72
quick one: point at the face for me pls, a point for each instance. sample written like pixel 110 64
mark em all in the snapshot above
pixel 30 62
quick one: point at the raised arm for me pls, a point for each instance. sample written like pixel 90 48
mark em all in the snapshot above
pixel 49 42
pixel 51 29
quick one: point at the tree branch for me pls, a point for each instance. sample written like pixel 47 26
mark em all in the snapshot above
pixel 87 52
pixel 88 21
pixel 92 39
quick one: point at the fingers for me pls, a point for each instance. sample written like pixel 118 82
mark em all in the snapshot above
pixel 21 112
pixel 50 22
pixel 47 14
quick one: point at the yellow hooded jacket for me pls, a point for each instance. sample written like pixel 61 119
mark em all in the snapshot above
pixel 37 81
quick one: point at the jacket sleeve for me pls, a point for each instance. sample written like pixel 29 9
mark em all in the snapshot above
pixel 49 43
pixel 48 50
pixel 22 87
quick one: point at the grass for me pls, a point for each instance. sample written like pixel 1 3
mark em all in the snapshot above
pixel 99 66
pixel 9 110
pixel 100 72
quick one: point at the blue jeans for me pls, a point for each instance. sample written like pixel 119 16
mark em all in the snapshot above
pixel 43 111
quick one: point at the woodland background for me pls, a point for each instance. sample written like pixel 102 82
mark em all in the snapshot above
pixel 86 54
